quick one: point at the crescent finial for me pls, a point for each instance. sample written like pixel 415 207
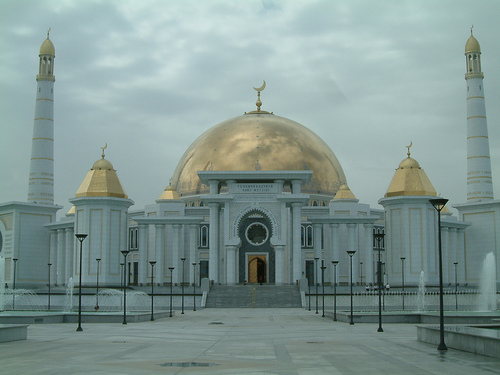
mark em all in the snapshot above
pixel 471 30
pixel 408 147
pixel 103 148
pixel 261 87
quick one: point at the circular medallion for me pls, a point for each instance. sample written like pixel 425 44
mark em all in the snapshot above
pixel 257 234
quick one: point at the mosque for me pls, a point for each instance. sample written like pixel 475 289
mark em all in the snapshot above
pixel 277 210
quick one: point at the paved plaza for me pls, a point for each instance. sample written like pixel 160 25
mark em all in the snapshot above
pixel 234 341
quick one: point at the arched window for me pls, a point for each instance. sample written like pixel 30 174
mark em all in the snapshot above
pixel 204 236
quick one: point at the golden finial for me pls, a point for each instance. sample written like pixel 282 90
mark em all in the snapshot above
pixel 471 30
pixel 408 147
pixel 103 148
pixel 259 89
pixel 48 31
pixel 170 181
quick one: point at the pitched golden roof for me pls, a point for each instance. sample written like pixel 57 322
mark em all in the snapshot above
pixel 169 193
pixel 410 179
pixel 344 193
pixel 101 181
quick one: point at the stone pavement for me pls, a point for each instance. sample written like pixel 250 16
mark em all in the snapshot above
pixel 234 341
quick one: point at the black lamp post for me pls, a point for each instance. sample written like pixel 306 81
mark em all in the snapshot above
pixel 182 283
pixel 316 280
pixel 335 262
pixel 379 237
pixel 152 262
pixel 456 286
pixel 80 237
pixel 14 286
pixel 361 273
pixel 171 284
pixel 194 285
pixel 323 268
pixel 98 260
pixel 309 291
pixel 48 303
pixel 403 279
pixel 439 204
pixel 125 253
pixel 351 253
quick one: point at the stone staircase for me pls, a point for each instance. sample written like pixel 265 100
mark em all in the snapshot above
pixel 253 295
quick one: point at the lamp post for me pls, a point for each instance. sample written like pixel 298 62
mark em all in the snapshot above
pixel 316 280
pixel 80 237
pixel 125 253
pixel 171 284
pixel 335 262
pixel 379 237
pixel 14 286
pixel 152 262
pixel 456 286
pixel 309 291
pixel 323 268
pixel 98 260
pixel 403 279
pixel 351 253
pixel 439 204
pixel 182 284
pixel 48 303
pixel 194 285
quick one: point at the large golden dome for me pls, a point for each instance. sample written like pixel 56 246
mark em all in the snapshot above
pixel 259 141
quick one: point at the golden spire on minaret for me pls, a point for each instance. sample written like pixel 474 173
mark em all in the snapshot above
pixel 103 148
pixel 408 147
pixel 258 103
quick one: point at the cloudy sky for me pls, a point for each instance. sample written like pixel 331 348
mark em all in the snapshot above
pixel 147 77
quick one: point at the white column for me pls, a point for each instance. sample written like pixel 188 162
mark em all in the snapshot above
pixel 59 261
pixel 54 248
pixel 451 254
pixel 279 263
pixel 213 258
pixel 161 266
pixel 461 256
pixel 143 254
pixel 193 235
pixel 296 245
pixel 335 247
pixel 176 259
pixel 368 256
pixel 70 240
pixel 352 246
pixel 231 265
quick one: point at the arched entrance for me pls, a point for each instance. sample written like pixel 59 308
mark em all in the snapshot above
pixel 257 269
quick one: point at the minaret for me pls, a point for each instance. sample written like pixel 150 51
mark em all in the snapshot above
pixel 41 178
pixel 479 180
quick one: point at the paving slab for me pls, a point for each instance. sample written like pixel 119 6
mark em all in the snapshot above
pixel 235 341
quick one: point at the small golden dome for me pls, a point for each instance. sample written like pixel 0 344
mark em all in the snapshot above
pixel 101 181
pixel 47 47
pixel 472 44
pixel 169 193
pixel 344 193
pixel 410 179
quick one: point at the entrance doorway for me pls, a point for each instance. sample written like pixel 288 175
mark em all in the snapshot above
pixel 257 268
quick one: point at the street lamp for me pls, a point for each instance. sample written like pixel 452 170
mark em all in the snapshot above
pixel 152 262
pixel 171 284
pixel 361 273
pixel 439 204
pixel 323 268
pixel 316 280
pixel 456 286
pixel 98 260
pixel 194 286
pixel 182 284
pixel 80 237
pixel 335 262
pixel 403 279
pixel 14 286
pixel 125 253
pixel 379 237
pixel 309 291
pixel 351 253
pixel 48 303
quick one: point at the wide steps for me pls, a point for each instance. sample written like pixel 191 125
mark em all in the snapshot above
pixel 252 295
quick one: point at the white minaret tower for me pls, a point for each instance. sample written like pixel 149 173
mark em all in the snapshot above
pixel 479 180
pixel 41 179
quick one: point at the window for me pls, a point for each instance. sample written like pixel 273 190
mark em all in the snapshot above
pixel 307 236
pixel 204 236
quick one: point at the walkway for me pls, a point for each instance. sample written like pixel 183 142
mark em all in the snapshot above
pixel 234 341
